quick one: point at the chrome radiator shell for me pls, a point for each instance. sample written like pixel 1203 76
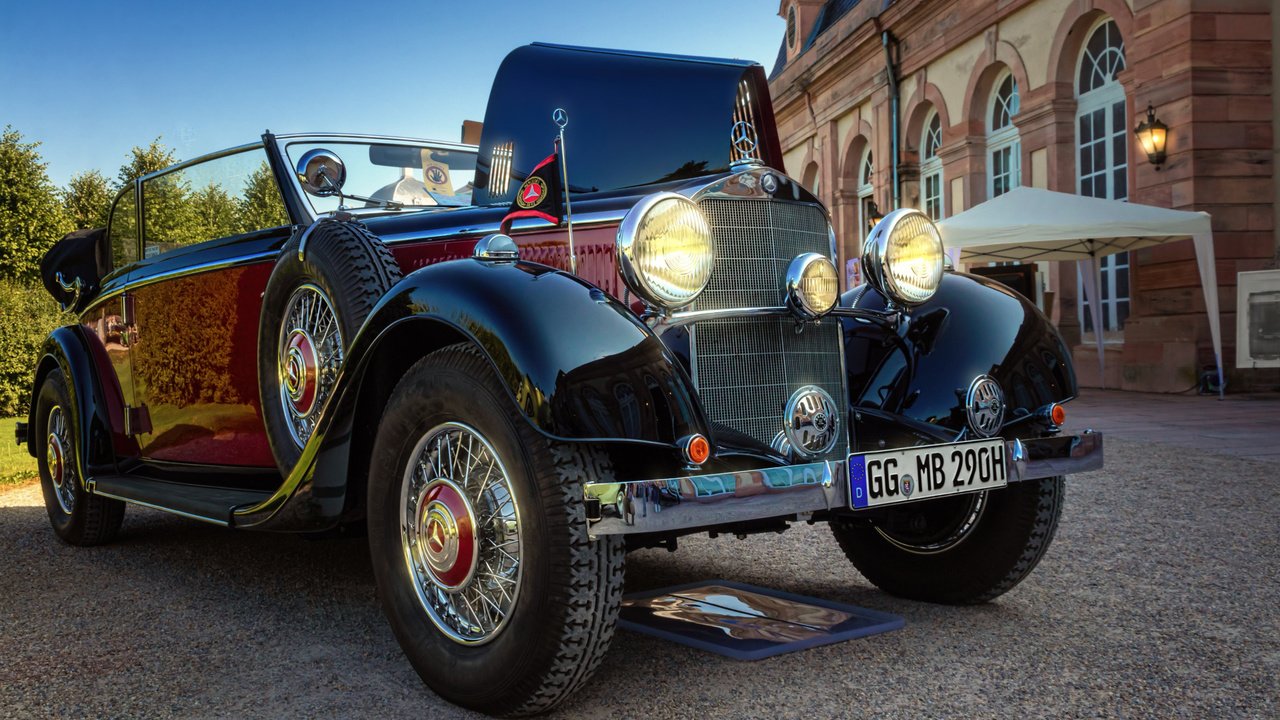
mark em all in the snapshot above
pixel 746 368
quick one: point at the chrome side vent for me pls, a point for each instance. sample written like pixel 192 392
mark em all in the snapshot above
pixel 500 174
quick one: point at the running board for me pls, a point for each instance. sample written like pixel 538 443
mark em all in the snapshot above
pixel 208 504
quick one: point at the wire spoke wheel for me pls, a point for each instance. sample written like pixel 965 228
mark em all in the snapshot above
pixel 59 460
pixel 460 533
pixel 309 356
pixel 936 526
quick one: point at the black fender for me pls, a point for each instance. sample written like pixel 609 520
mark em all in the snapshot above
pixel 910 384
pixel 70 349
pixel 577 363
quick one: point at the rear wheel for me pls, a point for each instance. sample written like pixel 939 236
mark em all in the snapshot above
pixel 77 517
pixel 960 550
pixel 477 532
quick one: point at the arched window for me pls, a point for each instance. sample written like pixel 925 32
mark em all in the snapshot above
pixel 1102 170
pixel 866 192
pixel 791 28
pixel 931 167
pixel 1004 151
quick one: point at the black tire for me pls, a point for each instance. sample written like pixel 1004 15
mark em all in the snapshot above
pixel 352 269
pixel 968 566
pixel 78 518
pixel 569 588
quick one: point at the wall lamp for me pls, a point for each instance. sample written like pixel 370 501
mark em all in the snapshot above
pixel 1152 135
pixel 873 215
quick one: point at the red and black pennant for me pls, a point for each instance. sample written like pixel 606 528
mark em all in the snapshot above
pixel 540 195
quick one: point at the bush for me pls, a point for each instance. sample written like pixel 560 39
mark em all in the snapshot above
pixel 27 315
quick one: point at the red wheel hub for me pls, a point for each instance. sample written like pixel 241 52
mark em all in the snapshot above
pixel 300 372
pixel 447 534
pixel 53 457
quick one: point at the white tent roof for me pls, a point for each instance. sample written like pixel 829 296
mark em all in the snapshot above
pixel 1030 224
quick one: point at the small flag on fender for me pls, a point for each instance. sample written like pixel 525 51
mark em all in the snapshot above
pixel 539 195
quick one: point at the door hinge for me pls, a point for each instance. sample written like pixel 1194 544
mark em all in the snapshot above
pixel 136 420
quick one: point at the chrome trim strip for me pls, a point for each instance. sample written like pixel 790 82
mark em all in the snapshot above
pixel 588 219
pixel 186 271
pixel 691 316
pixel 200 159
pixel 350 137
pixel 161 508
pixel 697 501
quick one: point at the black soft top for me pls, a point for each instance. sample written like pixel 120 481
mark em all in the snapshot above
pixel 634 118
pixel 82 257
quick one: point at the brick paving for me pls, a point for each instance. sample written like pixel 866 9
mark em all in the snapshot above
pixel 1239 425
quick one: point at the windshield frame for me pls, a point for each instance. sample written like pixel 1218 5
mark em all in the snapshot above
pixel 295 186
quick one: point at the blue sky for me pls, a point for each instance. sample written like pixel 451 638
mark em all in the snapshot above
pixel 92 79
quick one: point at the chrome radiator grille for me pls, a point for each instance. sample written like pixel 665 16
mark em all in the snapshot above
pixel 747 368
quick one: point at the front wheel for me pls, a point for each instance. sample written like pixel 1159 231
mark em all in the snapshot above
pixel 478 539
pixel 960 550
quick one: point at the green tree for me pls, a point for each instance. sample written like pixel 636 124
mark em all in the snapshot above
pixel 87 199
pixel 261 206
pixel 167 216
pixel 144 160
pixel 31 216
pixel 214 214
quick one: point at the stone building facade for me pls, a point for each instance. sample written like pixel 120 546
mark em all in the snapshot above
pixel 991 94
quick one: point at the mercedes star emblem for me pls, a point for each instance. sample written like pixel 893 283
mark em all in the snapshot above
pixel 743 138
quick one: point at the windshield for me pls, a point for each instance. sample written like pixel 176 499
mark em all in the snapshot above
pixel 408 174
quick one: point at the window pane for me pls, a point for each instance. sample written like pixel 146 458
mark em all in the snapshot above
pixel 1122 313
pixel 1118 118
pixel 124 231
pixel 1122 283
pixel 218 198
pixel 1086 187
pixel 1121 184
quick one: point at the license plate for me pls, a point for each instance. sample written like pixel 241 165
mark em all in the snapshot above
pixel 920 473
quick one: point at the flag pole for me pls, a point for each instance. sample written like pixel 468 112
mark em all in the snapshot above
pixel 561 118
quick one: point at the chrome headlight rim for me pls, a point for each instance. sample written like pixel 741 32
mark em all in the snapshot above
pixel 799 301
pixel 875 258
pixel 628 264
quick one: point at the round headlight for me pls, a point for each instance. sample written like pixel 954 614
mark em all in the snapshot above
pixel 903 257
pixel 812 285
pixel 665 250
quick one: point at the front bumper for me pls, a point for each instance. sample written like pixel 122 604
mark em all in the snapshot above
pixel 647 506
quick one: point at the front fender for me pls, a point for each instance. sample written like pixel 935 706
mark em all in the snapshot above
pixel 577 363
pixel 918 376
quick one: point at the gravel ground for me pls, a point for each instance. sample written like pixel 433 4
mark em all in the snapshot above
pixel 1157 599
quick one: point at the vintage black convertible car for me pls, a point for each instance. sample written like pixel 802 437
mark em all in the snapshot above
pixel 518 360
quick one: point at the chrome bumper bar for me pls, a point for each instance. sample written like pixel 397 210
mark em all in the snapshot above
pixel 645 506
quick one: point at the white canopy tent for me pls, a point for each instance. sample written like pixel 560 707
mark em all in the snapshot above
pixel 1030 224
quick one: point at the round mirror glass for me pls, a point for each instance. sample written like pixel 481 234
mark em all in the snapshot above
pixel 321 172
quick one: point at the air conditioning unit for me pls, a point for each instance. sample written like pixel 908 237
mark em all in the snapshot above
pixel 1258 319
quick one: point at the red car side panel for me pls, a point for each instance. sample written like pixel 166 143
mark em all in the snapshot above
pixel 195 367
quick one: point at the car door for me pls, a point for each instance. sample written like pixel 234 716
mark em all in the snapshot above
pixel 210 236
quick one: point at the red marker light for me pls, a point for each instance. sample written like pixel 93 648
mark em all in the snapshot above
pixel 697 449
pixel 1058 415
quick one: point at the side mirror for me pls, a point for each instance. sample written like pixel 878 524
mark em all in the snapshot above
pixel 321 172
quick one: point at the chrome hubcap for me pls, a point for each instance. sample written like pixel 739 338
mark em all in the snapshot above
pixel 55 456
pixel 310 355
pixel 460 532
